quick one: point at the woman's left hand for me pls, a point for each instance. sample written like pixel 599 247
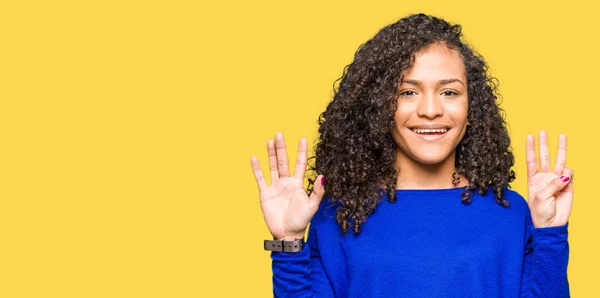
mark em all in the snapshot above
pixel 550 196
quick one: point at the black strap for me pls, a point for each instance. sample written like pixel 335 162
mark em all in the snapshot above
pixel 284 246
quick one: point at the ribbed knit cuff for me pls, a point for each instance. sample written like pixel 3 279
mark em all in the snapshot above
pixel 549 236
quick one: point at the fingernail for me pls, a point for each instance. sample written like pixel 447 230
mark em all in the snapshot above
pixel 564 178
pixel 323 180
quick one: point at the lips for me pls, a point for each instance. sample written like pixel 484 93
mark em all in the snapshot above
pixel 427 131
pixel 430 129
pixel 430 132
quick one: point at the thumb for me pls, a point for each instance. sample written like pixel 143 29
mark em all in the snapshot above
pixel 318 191
pixel 557 184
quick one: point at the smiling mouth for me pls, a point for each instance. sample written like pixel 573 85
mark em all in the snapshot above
pixel 430 131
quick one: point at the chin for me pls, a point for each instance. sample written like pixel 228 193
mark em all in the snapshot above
pixel 430 159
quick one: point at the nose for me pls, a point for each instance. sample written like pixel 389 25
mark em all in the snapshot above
pixel 430 106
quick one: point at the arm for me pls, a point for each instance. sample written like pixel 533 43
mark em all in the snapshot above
pixel 545 262
pixel 301 274
pixel 287 210
pixel 550 202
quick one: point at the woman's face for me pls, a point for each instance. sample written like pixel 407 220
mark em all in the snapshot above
pixel 431 118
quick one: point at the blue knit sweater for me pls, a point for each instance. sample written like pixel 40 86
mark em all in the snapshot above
pixel 429 244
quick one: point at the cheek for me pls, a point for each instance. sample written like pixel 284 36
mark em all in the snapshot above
pixel 400 118
pixel 402 114
pixel 458 111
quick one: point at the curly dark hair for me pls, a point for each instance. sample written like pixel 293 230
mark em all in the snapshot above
pixel 355 150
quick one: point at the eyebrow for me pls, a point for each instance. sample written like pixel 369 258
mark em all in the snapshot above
pixel 440 82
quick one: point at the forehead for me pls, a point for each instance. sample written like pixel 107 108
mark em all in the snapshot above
pixel 436 62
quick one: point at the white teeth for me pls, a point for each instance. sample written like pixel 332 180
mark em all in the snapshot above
pixel 428 130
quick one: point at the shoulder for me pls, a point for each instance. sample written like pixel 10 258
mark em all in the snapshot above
pixel 517 202
pixel 514 197
pixel 487 203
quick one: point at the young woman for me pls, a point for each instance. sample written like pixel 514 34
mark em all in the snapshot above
pixel 414 160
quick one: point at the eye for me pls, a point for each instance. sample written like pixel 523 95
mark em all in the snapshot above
pixel 407 93
pixel 450 93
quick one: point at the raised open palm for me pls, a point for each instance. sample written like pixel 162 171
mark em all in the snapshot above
pixel 550 195
pixel 286 207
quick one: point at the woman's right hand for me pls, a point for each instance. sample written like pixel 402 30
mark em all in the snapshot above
pixel 286 207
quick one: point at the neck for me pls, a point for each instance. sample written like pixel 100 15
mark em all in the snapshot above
pixel 415 175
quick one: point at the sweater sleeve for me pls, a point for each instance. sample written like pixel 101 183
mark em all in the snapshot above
pixel 545 262
pixel 301 274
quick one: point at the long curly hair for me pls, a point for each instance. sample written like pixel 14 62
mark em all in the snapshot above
pixel 355 150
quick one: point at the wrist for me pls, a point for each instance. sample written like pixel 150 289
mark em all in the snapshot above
pixel 290 236
pixel 284 245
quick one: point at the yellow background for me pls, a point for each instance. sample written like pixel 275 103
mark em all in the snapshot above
pixel 126 129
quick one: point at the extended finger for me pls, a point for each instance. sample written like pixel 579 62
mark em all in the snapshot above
pixel 272 161
pixel 282 157
pixel 300 168
pixel 544 154
pixel 258 175
pixel 532 166
pixel 561 155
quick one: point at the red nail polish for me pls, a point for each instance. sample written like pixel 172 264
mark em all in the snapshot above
pixel 564 178
pixel 323 180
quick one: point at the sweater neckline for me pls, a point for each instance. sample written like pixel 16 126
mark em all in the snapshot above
pixel 427 191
